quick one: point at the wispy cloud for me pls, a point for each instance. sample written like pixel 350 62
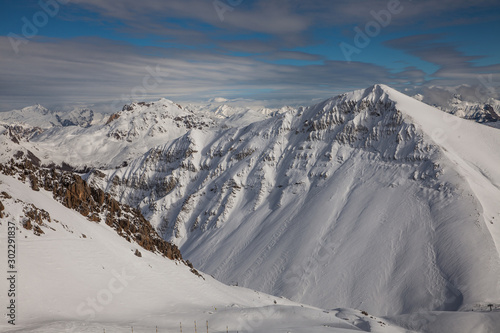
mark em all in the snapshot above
pixel 454 67
pixel 274 50
pixel 286 16
pixel 263 16
pixel 98 71
pixel 414 11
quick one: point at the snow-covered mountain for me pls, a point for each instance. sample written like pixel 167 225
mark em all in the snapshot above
pixel 370 199
pixel 123 136
pixel 486 110
pixel 75 275
pixel 81 116
pixel 67 273
pixel 237 115
pixel 35 116
pixel 41 117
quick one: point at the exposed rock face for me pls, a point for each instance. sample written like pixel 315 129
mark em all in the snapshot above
pixel 34 183
pixel 253 204
pixel 201 183
pixel 35 218
pixel 73 192
pixel 114 116
pixel 490 114
pixel 3 195
pixel 18 133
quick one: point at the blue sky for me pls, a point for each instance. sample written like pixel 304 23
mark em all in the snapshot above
pixel 106 53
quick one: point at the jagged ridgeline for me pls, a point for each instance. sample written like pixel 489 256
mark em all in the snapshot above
pixel 73 192
pixel 370 199
pixel 193 182
pixel 358 200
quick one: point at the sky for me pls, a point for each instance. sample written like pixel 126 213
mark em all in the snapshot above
pixel 104 54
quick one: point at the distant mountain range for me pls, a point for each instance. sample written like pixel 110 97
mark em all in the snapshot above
pixel 463 102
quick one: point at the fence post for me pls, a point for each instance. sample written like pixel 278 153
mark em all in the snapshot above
pixel 195 330
pixel 207 326
pixel 181 326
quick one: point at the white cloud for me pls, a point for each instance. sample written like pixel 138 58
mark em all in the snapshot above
pixel 218 100
pixel 101 72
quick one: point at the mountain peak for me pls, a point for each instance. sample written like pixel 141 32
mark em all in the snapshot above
pixel 390 195
pixel 376 92
pixel 37 108
pixel 371 181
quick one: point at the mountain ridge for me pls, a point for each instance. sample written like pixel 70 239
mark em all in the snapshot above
pixel 257 183
pixel 395 192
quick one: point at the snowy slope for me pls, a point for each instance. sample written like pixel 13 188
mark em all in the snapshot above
pixel 80 276
pixel 368 200
pixel 39 116
pixel 81 116
pixel 35 116
pixel 463 106
pixel 237 115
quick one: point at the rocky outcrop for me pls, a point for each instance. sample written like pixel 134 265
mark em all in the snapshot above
pixel 73 192
pixel 114 116
pixel 19 133
pixel 35 218
pixel 490 114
